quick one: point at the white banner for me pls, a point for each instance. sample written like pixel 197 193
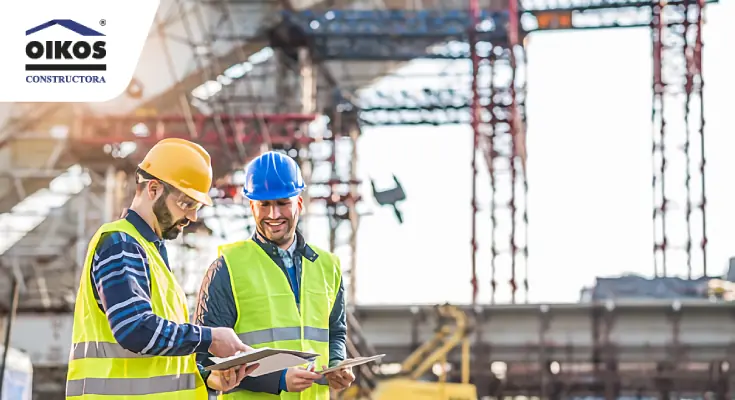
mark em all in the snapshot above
pixel 71 50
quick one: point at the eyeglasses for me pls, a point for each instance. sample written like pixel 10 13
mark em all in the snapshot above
pixel 183 201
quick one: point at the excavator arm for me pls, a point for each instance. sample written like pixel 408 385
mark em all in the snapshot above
pixel 453 328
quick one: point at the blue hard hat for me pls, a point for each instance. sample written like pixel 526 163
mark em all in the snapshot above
pixel 272 176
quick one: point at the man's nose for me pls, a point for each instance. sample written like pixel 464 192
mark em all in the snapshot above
pixel 274 212
pixel 192 216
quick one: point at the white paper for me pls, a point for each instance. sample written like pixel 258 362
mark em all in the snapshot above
pixel 218 360
pixel 352 362
pixel 271 360
pixel 277 362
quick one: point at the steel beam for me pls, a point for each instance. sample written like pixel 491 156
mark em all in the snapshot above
pixel 403 35
pixel 427 106
pixel 537 6
pixel 568 350
pixel 390 35
pixel 99 136
pixel 642 332
pixel 247 127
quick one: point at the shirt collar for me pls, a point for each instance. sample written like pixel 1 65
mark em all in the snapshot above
pixel 142 227
pixel 292 247
pixel 299 245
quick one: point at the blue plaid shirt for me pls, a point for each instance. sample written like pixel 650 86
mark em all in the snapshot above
pixel 289 263
pixel 121 284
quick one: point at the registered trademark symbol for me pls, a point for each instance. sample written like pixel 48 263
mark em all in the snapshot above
pixel 103 22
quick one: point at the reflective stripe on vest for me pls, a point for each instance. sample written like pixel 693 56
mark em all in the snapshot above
pixel 99 368
pixel 101 350
pixel 131 386
pixel 281 334
pixel 267 314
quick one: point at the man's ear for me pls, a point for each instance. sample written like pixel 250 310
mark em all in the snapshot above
pixel 153 190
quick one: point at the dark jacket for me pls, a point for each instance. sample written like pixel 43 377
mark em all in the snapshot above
pixel 216 307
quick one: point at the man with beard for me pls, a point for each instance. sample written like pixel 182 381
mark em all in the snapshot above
pixel 131 336
pixel 277 291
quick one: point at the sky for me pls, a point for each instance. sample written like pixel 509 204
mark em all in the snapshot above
pixel 589 172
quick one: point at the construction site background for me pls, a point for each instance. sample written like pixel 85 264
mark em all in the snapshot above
pixel 495 155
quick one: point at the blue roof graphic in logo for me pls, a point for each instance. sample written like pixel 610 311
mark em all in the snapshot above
pixel 73 26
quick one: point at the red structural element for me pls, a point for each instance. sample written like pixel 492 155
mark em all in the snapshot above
pixel 499 132
pixel 678 140
pixel 475 123
pixel 515 125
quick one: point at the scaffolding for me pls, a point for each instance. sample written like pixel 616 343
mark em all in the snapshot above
pixel 404 34
pixel 680 234
pixel 495 105
pixel 498 124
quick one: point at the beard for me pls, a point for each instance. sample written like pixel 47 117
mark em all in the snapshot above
pixel 169 228
pixel 279 235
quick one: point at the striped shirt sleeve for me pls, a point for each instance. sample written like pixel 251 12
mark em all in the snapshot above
pixel 121 278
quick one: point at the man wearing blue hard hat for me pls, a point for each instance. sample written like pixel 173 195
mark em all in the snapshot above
pixel 245 289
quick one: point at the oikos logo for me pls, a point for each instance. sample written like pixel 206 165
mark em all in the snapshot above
pixel 66 50
pixel 79 49
pixel 84 51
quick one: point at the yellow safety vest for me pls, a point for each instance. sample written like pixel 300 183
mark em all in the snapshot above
pixel 267 314
pixel 99 368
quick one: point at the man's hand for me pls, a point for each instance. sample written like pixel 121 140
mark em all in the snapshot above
pixel 340 379
pixel 225 343
pixel 228 379
pixel 299 379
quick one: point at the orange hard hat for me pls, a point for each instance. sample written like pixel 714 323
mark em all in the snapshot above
pixel 182 164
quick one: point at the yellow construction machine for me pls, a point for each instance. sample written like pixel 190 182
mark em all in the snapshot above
pixel 454 328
